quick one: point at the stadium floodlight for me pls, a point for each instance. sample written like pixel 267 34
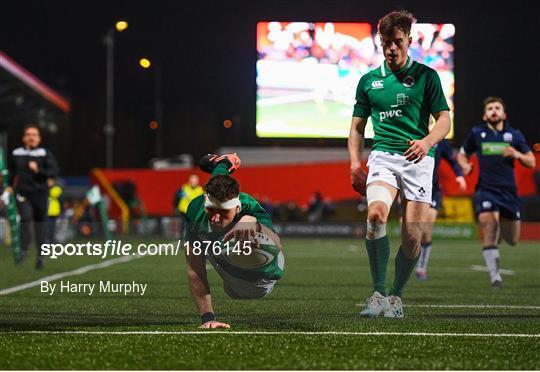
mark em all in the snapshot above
pixel 145 63
pixel 108 40
pixel 121 26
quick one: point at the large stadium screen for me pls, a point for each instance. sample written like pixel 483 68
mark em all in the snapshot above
pixel 307 73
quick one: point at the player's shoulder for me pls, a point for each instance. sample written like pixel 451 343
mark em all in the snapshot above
pixel 478 128
pixel 245 198
pixel 422 69
pixel 509 128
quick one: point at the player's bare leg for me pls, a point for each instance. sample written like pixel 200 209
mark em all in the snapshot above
pixel 490 226
pixel 510 231
pixel 415 219
pixel 380 196
pixel 425 247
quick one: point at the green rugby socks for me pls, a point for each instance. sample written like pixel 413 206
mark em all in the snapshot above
pixel 404 268
pixel 378 252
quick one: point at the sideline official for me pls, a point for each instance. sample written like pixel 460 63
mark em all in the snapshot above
pixel 30 166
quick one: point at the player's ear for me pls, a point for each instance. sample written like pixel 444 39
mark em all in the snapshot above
pixel 410 40
pixel 484 117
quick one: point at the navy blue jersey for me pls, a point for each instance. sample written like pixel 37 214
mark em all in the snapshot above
pixel 488 144
pixel 443 150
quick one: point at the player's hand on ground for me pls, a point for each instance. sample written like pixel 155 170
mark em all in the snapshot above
pixel 245 229
pixel 358 180
pixel 510 152
pixel 213 324
pixel 417 151
pixel 461 183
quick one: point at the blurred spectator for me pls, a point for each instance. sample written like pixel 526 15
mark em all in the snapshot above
pixel 268 206
pixel 318 208
pixel 54 210
pixel 185 194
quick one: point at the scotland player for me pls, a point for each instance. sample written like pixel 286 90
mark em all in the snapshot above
pixel 496 204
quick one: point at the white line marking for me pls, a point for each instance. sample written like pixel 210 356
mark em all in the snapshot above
pixel 483 268
pixel 466 306
pixel 79 271
pixel 314 333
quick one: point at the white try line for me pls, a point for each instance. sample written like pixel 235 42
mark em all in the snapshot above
pixel 79 271
pixel 265 333
pixel 471 306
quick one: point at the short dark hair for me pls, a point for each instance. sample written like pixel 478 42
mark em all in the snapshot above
pixel 31 126
pixel 492 99
pixel 222 187
pixel 396 20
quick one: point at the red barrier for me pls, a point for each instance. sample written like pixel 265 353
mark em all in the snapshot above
pixel 282 183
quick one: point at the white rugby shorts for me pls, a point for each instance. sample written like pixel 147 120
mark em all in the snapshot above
pixel 414 181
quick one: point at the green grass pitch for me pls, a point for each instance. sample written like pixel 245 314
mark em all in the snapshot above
pixel 310 319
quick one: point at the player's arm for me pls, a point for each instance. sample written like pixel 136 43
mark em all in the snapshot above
pixel 520 151
pixel 355 145
pixel 528 160
pixel 465 152
pixel 200 289
pixel 448 154
pixel 438 107
pixel 419 148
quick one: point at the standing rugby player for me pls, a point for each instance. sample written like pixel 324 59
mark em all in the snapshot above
pixel 399 96
pixel 496 203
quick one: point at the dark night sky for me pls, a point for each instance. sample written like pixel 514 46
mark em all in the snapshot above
pixel 207 52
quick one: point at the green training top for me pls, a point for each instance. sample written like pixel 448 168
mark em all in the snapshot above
pixel 197 228
pixel 399 104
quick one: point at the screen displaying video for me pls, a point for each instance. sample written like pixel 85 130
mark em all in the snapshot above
pixel 307 73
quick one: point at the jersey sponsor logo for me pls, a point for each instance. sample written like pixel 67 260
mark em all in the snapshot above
pixel 375 174
pixel 402 100
pixel 390 114
pixel 507 137
pixel 377 84
pixel 409 81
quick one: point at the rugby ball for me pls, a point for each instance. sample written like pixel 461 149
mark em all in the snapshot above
pixel 261 255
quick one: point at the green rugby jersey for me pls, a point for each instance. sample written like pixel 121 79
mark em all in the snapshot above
pixel 399 104
pixel 198 229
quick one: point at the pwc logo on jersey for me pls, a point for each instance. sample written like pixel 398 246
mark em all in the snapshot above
pixel 390 114
pixel 377 84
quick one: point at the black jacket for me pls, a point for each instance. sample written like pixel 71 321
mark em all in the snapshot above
pixel 23 178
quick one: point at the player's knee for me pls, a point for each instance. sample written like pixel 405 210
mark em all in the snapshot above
pixel 376 214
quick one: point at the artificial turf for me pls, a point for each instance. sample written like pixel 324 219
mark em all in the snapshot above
pixel 324 281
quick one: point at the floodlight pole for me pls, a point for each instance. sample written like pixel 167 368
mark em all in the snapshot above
pixel 109 111
pixel 159 109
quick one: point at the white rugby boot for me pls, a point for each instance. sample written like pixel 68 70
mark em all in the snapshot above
pixel 395 309
pixel 376 304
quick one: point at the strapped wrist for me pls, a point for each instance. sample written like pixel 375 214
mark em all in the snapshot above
pixel 208 317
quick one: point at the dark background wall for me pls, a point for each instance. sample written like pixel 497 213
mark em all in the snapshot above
pixel 207 52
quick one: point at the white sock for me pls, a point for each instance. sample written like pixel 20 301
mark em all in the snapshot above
pixel 491 256
pixel 424 257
